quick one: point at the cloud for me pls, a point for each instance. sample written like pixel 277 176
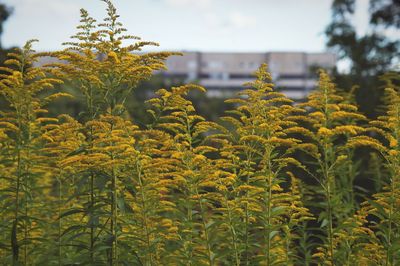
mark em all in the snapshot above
pixel 241 21
pixel 45 7
pixel 234 20
pixel 215 17
pixel 213 20
pixel 189 3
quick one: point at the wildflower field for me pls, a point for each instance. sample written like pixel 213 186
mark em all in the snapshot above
pixel 272 183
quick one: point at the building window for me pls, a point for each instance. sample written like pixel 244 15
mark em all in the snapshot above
pixel 219 75
pixel 215 64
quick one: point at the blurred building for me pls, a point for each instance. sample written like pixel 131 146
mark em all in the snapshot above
pixel 294 73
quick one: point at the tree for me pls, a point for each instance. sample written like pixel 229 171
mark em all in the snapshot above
pixel 370 55
pixel 5 12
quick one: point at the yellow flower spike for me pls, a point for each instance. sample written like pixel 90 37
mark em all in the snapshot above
pixel 348 129
pixel 393 142
pixel 324 132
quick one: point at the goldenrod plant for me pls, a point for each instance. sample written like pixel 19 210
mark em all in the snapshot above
pixel 102 67
pixel 146 227
pixel 371 236
pixel 384 208
pixel 333 122
pixel 61 138
pixel 193 179
pixel 298 247
pixel 271 183
pixel 258 150
pixel 24 169
pixel 105 72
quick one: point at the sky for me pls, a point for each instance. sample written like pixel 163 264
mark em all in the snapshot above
pixel 189 25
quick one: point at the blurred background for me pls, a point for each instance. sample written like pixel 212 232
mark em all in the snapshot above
pixel 224 41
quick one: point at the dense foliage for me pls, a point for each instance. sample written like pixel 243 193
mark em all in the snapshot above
pixel 367 55
pixel 272 184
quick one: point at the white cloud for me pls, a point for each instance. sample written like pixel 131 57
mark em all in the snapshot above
pixel 234 20
pixel 61 7
pixel 213 20
pixel 192 3
pixel 241 21
pixel 46 20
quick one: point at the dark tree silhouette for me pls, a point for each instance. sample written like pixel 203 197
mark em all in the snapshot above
pixel 5 13
pixel 370 55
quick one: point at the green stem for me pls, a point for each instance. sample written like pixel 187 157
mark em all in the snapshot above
pixel 27 186
pixel 113 226
pixel 59 220
pixel 389 231
pixel 114 213
pixel 329 205
pixel 206 234
pixel 16 214
pixel 330 226
pixel 92 231
pixel 268 229
pixel 246 232
pixel 149 257
pixel 91 198
pixel 231 228
pixel 190 222
pixel 26 225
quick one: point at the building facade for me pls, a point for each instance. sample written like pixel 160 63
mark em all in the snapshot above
pixel 294 73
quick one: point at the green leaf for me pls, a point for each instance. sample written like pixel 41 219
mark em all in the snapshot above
pixel 70 212
pixel 77 151
pixel 272 234
pixel 324 223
